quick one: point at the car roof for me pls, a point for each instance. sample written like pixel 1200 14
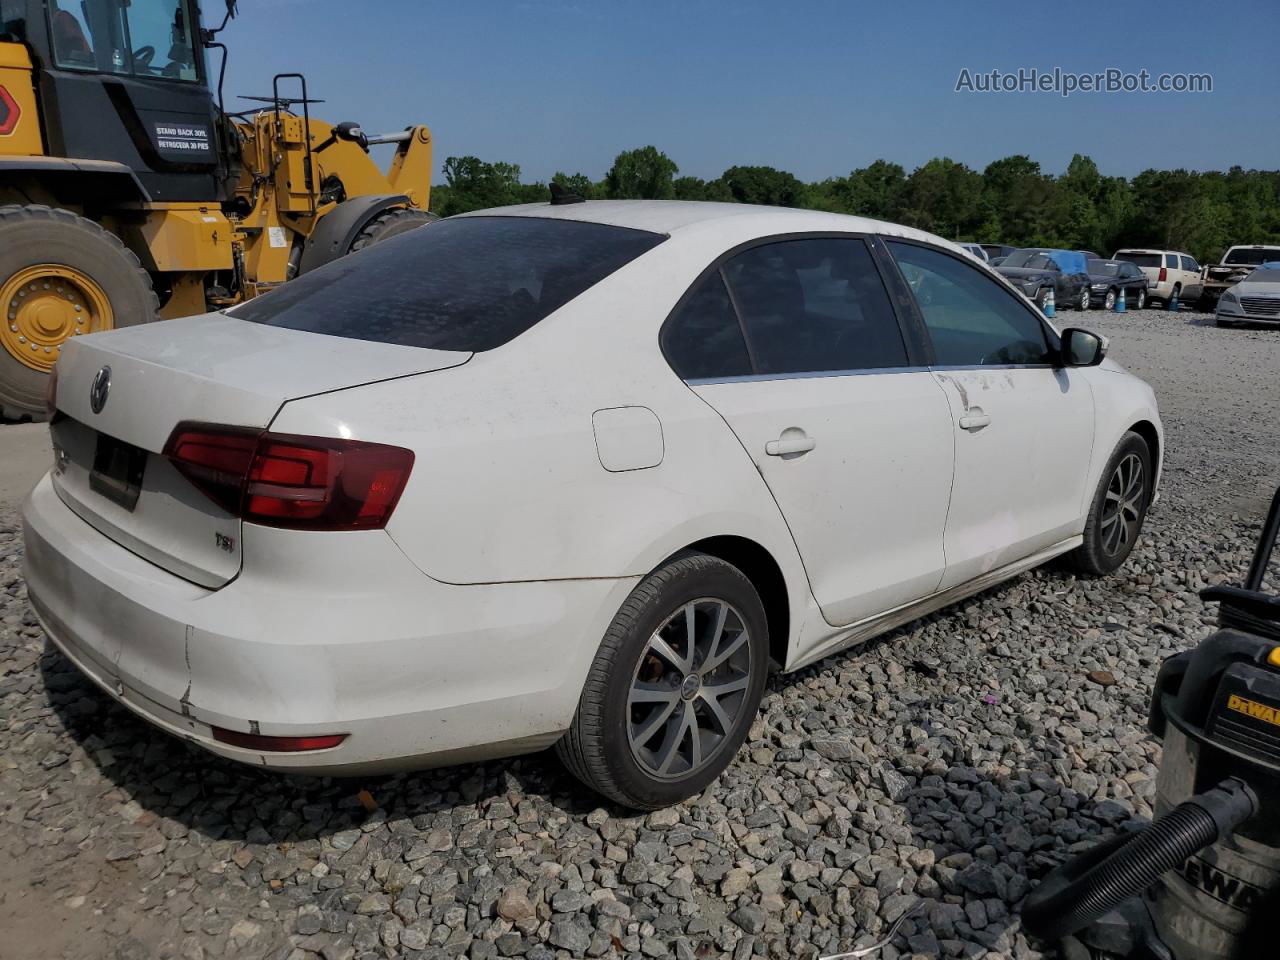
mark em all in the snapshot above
pixel 1150 250
pixel 674 216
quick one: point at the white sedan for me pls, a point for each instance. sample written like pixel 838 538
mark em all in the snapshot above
pixel 569 474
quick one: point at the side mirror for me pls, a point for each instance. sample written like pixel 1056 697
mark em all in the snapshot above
pixel 1080 348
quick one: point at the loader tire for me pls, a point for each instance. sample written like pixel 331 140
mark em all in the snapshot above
pixel 51 263
pixel 391 223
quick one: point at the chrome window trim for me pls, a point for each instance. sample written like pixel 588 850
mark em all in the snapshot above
pixel 877 371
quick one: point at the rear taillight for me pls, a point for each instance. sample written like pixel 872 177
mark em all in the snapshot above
pixel 51 392
pixel 1164 275
pixel 303 483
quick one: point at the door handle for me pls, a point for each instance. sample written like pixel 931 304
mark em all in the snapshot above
pixel 790 446
pixel 975 420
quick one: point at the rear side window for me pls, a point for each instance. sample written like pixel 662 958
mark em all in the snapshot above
pixel 1171 261
pixel 815 305
pixel 972 319
pixel 1141 259
pixel 703 339
pixel 468 284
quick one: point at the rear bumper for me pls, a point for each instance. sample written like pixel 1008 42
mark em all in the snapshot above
pixel 333 633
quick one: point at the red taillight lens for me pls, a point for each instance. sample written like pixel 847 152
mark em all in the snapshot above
pixel 1164 274
pixel 51 392
pixel 306 483
pixel 255 741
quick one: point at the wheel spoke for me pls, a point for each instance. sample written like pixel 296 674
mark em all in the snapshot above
pixel 726 687
pixel 653 693
pixel 729 650
pixel 716 633
pixel 695 736
pixel 670 747
pixel 712 703
pixel 654 723
pixel 663 649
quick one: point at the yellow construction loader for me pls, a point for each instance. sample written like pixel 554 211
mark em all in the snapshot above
pixel 128 193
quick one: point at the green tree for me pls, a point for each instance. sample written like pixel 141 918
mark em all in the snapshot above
pixel 642 174
pixel 764 185
pixel 578 183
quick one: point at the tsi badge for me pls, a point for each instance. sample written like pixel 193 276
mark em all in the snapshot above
pixel 99 389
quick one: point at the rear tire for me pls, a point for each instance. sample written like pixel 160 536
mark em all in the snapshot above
pixel 391 223
pixel 650 729
pixel 1141 301
pixel 1118 510
pixel 1083 303
pixel 33 236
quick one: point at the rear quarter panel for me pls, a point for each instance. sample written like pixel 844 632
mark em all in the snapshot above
pixel 508 484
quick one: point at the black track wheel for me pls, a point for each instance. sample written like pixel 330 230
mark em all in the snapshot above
pixel 391 223
pixel 674 687
pixel 60 275
pixel 1118 510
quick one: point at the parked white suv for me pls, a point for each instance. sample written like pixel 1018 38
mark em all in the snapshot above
pixel 1171 273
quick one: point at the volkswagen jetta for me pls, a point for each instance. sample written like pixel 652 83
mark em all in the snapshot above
pixel 570 474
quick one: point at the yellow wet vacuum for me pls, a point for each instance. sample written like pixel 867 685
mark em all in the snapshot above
pixel 1203 881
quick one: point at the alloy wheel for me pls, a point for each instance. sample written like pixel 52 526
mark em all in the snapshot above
pixel 689 688
pixel 1110 301
pixel 1122 508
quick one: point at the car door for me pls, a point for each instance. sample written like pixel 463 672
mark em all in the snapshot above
pixel 1023 425
pixel 852 436
pixel 1191 284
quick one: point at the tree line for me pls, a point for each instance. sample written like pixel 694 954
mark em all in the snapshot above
pixel 1011 201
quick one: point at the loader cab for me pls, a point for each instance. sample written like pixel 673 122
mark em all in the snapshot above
pixel 124 81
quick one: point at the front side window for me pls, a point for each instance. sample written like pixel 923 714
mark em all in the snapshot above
pixel 470 283
pixel 814 305
pixel 143 38
pixel 1189 263
pixel 972 319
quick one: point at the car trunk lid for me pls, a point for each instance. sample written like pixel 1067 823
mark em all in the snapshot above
pixel 213 369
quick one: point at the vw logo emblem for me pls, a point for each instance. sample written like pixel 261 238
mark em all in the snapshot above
pixel 99 389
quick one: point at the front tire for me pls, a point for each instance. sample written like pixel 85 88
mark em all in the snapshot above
pixel 61 275
pixel 1109 301
pixel 391 223
pixel 1083 303
pixel 674 687
pixel 1118 510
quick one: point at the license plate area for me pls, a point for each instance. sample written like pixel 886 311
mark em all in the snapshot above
pixel 117 471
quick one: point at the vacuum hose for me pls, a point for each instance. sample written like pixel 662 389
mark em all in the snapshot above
pixel 1083 890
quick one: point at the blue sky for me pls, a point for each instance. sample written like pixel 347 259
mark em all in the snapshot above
pixel 817 87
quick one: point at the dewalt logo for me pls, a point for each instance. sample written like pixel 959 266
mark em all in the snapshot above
pixel 1222 886
pixel 1250 708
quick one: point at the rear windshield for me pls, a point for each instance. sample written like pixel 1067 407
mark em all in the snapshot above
pixel 1140 259
pixel 467 284
pixel 1254 257
pixel 1029 259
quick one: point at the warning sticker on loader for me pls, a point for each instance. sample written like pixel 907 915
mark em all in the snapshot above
pixel 182 140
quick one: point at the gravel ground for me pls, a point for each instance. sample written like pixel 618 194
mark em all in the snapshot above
pixel 941 770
